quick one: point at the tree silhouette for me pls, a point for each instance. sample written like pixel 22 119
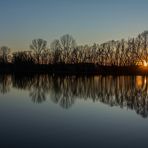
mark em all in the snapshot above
pixel 57 51
pixel 5 50
pixel 38 45
pixel 63 48
pixel 23 58
pixel 67 42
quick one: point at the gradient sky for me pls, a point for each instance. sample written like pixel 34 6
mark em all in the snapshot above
pixel 88 21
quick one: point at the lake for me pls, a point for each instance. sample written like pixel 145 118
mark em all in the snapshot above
pixel 73 111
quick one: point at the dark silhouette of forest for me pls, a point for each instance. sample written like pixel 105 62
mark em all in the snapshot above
pixel 129 92
pixel 65 56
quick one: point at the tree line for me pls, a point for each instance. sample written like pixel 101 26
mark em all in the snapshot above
pixel 133 51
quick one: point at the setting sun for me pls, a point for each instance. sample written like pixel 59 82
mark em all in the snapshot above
pixel 145 63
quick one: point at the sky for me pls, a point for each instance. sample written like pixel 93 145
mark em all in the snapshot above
pixel 88 21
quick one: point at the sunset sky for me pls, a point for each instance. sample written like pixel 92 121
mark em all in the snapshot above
pixel 88 21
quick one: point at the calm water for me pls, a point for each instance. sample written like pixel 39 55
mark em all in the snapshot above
pixel 48 111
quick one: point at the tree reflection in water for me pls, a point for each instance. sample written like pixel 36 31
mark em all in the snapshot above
pixel 124 91
pixel 5 83
pixel 39 88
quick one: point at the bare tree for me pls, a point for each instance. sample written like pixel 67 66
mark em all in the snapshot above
pixel 38 45
pixel 63 48
pixel 5 50
pixel 55 46
pixel 144 38
pixel 68 44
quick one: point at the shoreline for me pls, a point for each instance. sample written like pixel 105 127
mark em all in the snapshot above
pixel 74 69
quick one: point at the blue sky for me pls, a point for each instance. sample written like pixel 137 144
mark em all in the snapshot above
pixel 88 21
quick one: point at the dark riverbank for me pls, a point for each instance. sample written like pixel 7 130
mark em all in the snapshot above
pixel 74 69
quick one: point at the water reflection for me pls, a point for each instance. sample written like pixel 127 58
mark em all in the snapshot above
pixel 5 83
pixel 124 91
pixel 39 88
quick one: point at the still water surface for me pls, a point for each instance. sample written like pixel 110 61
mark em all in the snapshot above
pixel 50 111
